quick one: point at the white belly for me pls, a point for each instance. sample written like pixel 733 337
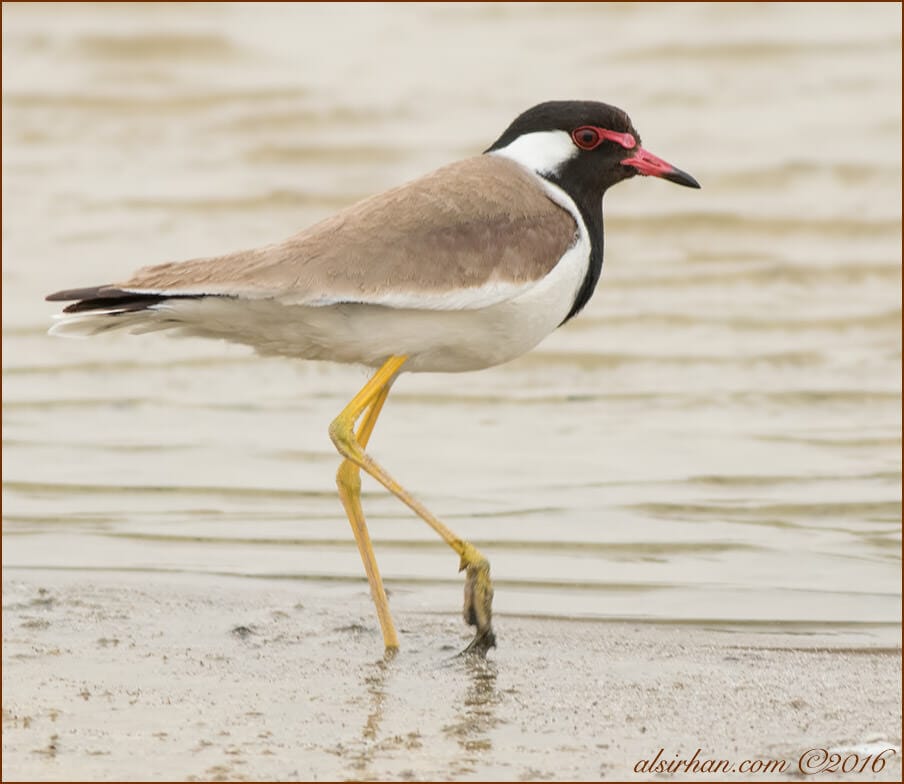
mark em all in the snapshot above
pixel 433 340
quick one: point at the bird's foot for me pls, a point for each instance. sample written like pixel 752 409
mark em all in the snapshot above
pixel 478 609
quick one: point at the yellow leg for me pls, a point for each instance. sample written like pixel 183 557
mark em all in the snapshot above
pixel 348 479
pixel 478 587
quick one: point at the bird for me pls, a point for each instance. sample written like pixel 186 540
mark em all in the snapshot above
pixel 462 269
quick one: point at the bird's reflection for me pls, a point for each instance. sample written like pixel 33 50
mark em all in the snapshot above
pixel 474 713
pixel 477 711
pixel 375 684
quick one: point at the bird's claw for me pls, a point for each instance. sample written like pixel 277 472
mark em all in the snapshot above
pixel 478 608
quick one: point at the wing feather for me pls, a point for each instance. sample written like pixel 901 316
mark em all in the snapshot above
pixel 466 236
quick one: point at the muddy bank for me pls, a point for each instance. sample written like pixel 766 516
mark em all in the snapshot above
pixel 125 676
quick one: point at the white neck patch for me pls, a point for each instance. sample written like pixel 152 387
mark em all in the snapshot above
pixel 545 152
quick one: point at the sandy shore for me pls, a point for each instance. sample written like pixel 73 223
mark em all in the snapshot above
pixel 172 677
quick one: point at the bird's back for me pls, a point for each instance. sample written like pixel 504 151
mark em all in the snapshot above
pixel 483 221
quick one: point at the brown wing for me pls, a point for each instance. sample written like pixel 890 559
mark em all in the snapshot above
pixel 482 226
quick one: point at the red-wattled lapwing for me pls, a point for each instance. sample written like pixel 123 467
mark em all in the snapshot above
pixel 462 269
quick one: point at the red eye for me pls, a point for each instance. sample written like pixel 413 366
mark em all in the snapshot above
pixel 586 137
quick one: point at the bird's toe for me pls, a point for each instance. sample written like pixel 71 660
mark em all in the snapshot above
pixel 478 605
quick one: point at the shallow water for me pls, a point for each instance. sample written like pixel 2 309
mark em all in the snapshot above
pixel 717 437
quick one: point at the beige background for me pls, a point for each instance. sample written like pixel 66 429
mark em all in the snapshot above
pixel 715 441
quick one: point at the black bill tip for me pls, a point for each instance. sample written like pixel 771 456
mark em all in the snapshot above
pixel 680 178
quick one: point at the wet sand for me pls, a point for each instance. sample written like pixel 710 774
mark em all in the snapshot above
pixel 129 676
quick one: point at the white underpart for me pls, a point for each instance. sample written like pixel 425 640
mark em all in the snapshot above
pixel 472 298
pixel 458 335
